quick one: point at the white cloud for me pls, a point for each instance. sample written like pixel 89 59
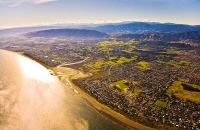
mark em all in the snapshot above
pixel 42 1
pixel 13 3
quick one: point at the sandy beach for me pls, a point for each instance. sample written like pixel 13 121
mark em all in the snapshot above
pixel 66 75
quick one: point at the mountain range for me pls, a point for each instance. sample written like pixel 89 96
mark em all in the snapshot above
pixel 78 33
pixel 111 28
pixel 145 27
pixel 191 35
pixel 145 31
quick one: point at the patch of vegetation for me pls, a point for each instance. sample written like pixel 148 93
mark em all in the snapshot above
pixel 180 63
pixel 136 91
pixel 105 43
pixel 112 62
pixel 113 58
pixel 115 42
pixel 122 60
pixel 160 103
pixel 184 63
pixel 98 64
pixel 177 90
pixel 172 63
pixel 180 79
pixel 121 84
pixel 130 42
pixel 142 65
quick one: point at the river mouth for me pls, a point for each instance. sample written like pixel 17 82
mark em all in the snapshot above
pixel 189 88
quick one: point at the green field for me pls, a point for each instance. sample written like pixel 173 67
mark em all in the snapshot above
pixel 105 48
pixel 142 65
pixel 105 43
pixel 120 84
pixel 136 91
pixel 120 60
pixel 177 90
pixel 160 103
pixel 180 63
pixel 95 66
pixel 98 64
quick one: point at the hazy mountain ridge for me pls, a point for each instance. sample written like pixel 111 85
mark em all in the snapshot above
pixel 121 28
pixel 22 30
pixel 192 35
pixel 142 27
pixel 180 40
pixel 68 33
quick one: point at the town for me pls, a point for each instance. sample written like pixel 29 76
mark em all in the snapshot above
pixel 158 86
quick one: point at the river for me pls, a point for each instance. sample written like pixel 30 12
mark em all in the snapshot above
pixel 33 99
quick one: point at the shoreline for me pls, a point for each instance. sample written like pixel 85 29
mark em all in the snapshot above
pixel 109 113
pixel 70 74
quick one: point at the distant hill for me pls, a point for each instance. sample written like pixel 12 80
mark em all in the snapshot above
pixel 22 30
pixel 180 40
pixel 79 33
pixel 142 27
pixel 113 28
pixel 192 35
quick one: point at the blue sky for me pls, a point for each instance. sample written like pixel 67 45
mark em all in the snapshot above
pixel 36 12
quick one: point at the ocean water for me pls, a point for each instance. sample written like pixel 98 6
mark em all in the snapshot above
pixel 32 99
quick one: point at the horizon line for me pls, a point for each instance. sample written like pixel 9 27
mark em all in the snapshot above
pixel 87 23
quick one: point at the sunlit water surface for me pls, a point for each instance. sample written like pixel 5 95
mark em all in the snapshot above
pixel 32 99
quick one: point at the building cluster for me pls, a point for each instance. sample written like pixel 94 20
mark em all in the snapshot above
pixel 151 83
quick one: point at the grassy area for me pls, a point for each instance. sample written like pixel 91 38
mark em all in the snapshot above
pixel 177 90
pixel 130 49
pixel 95 67
pixel 130 42
pixel 122 60
pixel 160 103
pixel 185 63
pixel 136 91
pixel 116 42
pixel 180 63
pixel 105 43
pixel 105 48
pixel 120 84
pixel 98 64
pixel 112 63
pixel 142 65
pixel 113 60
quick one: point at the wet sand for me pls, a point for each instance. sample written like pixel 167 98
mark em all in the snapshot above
pixel 66 75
